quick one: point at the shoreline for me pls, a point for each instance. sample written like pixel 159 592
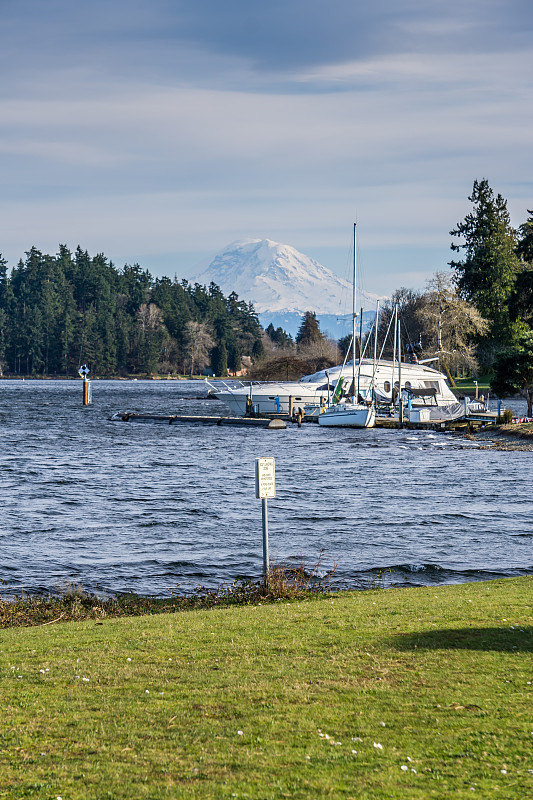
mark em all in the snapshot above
pixel 517 436
pixel 79 605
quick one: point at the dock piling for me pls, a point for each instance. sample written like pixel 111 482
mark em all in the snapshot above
pixel 87 389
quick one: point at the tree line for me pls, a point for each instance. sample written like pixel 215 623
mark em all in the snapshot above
pixel 59 311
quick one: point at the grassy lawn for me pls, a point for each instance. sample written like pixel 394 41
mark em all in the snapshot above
pixel 400 693
pixel 468 385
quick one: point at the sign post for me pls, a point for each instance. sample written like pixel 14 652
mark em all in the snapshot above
pixel 265 487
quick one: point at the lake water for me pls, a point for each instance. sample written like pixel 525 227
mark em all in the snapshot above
pixel 119 507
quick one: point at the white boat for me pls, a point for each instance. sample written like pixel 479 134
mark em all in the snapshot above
pixel 281 397
pixel 349 415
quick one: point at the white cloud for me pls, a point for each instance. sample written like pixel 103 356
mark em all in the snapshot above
pixel 117 160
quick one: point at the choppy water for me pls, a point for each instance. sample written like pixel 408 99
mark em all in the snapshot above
pixel 120 507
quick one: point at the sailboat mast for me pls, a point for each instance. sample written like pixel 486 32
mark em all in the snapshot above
pixel 353 309
pixel 395 320
pixel 400 407
pixel 375 365
pixel 360 353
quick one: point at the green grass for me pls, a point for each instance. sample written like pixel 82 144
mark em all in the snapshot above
pixel 288 699
pixel 468 385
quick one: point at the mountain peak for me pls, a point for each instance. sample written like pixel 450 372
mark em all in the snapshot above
pixel 276 277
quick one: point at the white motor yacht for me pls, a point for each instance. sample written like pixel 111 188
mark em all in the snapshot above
pixel 282 397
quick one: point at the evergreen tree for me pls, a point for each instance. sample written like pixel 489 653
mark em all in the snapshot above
pixel 279 336
pixel 524 248
pixel 6 308
pixel 258 349
pixel 513 370
pixel 487 273
pixel 521 300
pixel 234 357
pixel 219 359
pixel 345 344
pixel 309 331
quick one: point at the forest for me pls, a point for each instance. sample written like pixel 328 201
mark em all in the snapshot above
pixel 58 312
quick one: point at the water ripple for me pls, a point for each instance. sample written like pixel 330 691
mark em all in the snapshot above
pixel 147 507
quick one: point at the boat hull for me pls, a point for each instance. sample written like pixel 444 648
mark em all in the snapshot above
pixel 345 415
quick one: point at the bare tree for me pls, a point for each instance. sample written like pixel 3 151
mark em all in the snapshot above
pixel 409 303
pixel 320 354
pixel 450 324
pixel 198 343
pixel 149 317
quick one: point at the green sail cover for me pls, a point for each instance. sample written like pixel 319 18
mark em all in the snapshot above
pixel 338 391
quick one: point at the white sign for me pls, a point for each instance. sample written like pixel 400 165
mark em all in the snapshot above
pixel 83 371
pixel 265 478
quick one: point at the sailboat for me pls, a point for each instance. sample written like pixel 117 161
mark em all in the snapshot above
pixel 351 413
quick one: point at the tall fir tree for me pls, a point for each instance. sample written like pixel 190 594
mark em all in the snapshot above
pixel 309 331
pixel 487 273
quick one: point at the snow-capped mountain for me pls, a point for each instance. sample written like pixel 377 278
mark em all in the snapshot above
pixel 281 283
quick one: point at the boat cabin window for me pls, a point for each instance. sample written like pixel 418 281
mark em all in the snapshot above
pixel 407 384
pixel 431 385
pixel 326 387
pixel 386 386
pixel 297 398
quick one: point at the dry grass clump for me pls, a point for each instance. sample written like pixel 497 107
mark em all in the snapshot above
pixel 506 417
pixel 523 430
pixel 74 603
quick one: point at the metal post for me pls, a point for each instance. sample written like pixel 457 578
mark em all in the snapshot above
pixel 265 487
pixel 264 509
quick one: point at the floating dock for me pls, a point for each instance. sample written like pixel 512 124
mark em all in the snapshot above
pixel 175 419
pixel 467 424
pixel 279 421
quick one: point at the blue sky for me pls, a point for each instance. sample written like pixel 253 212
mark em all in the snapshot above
pixel 158 131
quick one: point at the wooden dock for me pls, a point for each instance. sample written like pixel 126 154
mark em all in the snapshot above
pixel 175 419
pixel 473 422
